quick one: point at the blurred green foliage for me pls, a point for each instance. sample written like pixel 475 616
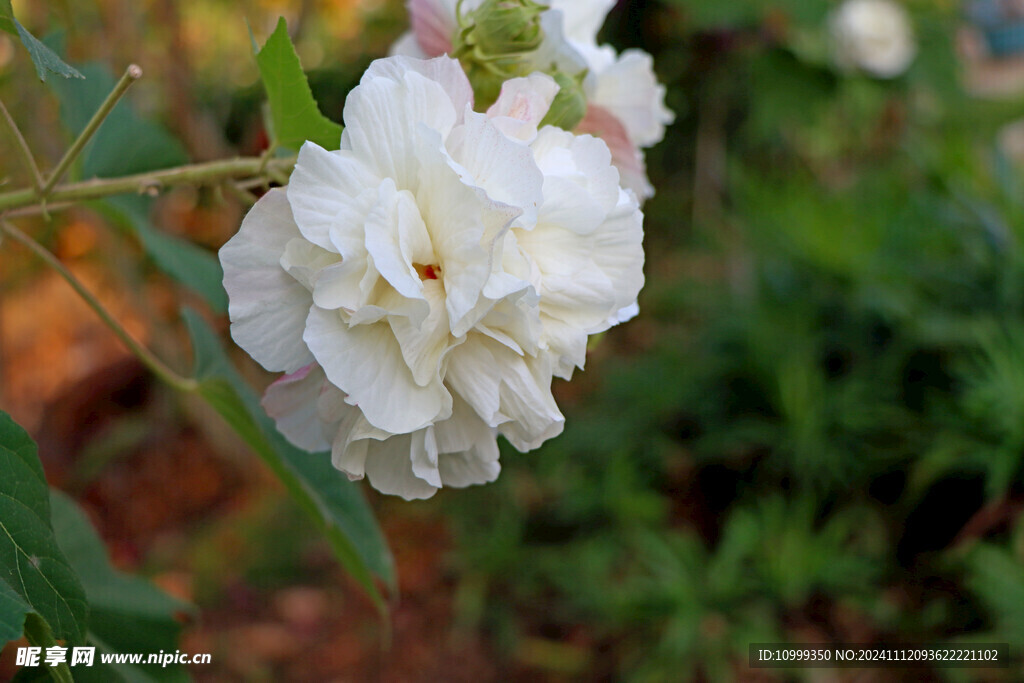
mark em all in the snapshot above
pixel 815 429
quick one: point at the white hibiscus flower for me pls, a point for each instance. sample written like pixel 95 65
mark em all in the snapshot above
pixel 422 285
pixel 625 102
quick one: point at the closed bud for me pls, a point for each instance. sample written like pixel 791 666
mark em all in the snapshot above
pixel 570 104
pixel 493 42
pixel 502 28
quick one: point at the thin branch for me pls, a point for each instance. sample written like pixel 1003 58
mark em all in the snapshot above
pixel 156 366
pixel 23 150
pixel 131 74
pixel 241 195
pixel 193 174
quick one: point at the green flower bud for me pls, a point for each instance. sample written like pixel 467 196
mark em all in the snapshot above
pixel 493 41
pixel 502 28
pixel 570 104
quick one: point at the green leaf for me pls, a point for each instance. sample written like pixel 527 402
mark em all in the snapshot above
pixel 13 610
pixel 294 113
pixel 33 571
pixel 325 493
pixel 43 57
pixel 39 634
pixel 189 264
pixel 127 613
pixel 7 18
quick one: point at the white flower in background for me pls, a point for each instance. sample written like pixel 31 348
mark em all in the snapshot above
pixel 873 35
pixel 625 102
pixel 422 285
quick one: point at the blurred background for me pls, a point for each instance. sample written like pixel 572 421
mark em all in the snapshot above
pixel 814 431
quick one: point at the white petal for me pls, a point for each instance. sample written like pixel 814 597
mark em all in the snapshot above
pixel 424 457
pixel 629 89
pixel 292 402
pixel 468 448
pixel 395 237
pixel 582 18
pixel 567 343
pixel 425 343
pixel 390 470
pixel 580 185
pixel 464 225
pixel 366 362
pixel 507 390
pixel 303 260
pixel 324 193
pixel 444 70
pixel 526 398
pixel 502 167
pixel 382 115
pixel 586 279
pixel 556 50
pixel 267 306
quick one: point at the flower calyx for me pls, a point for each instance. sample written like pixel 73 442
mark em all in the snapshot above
pixel 570 104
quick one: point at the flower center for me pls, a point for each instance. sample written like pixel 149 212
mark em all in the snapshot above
pixel 427 272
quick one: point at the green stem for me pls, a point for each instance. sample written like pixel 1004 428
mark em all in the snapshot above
pixel 23 150
pixel 155 365
pixel 192 174
pixel 131 74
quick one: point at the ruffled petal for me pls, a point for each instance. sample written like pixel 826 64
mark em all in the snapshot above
pixel 366 363
pixel 382 115
pixel 507 391
pixel 468 449
pixel 326 195
pixel 389 466
pixel 447 72
pixel 266 305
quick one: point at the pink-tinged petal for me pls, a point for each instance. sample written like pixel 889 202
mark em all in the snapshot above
pixel 267 306
pixel 433 24
pixel 366 363
pixel 522 105
pixel 629 89
pixel 292 402
pixel 626 156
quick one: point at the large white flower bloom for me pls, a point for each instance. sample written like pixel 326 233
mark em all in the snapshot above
pixel 422 285
pixel 625 102
pixel 873 35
